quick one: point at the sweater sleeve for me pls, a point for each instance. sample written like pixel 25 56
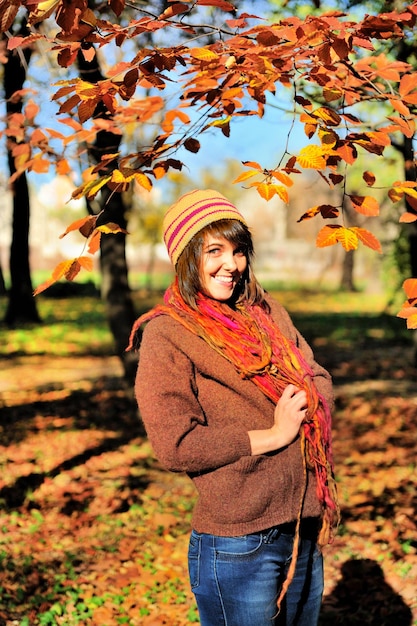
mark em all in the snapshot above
pixel 174 420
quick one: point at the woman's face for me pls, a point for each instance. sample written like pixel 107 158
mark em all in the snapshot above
pixel 222 266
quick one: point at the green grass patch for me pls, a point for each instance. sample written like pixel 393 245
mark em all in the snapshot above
pixel 73 326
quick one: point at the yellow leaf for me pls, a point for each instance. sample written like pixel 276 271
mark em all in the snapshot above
pixel 204 54
pixel 311 157
pixel 222 122
pixel 90 188
pixel 118 177
pixel 330 235
pixel 265 190
pixel 395 194
pixel 43 10
pixel 282 192
pixel 86 90
pixel 245 176
pixel 409 191
pixel 110 228
pixel 143 181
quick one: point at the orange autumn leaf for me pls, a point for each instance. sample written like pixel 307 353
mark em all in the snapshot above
pixel 366 205
pixel 94 242
pixel 410 288
pixel 410 314
pixel 66 269
pixel 408 218
pixel 84 225
pixel 367 238
pixel 330 235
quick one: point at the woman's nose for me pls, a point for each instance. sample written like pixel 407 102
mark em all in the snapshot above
pixel 229 262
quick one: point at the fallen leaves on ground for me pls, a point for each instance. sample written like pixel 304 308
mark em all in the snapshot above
pixel 95 532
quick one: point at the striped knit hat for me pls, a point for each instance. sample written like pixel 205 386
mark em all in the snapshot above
pixel 192 212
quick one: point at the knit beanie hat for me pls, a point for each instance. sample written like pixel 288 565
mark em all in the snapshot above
pixel 192 212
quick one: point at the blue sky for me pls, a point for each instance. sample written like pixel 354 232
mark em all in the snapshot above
pixel 251 139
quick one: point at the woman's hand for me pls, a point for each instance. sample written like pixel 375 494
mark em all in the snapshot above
pixel 290 411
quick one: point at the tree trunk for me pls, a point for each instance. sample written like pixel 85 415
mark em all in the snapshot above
pixel 3 289
pixel 411 174
pixel 115 289
pixel 21 303
pixel 347 281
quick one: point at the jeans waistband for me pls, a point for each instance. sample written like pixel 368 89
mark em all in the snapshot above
pixel 309 529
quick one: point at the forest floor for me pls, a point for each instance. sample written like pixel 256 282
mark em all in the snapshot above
pixel 95 532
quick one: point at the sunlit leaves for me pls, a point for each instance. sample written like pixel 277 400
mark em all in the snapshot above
pixel 67 269
pixel 204 54
pixel 408 218
pixel 90 188
pixel 409 308
pixel 42 10
pixel 224 75
pixel 366 205
pixel 167 123
pixel 327 211
pixel 176 9
pixel 85 226
pixel 219 4
pixel 349 238
pixel 312 157
pixel 407 189
pixel 267 188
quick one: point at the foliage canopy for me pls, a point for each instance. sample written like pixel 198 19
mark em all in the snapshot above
pixel 330 64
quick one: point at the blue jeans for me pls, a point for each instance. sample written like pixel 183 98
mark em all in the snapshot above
pixel 236 580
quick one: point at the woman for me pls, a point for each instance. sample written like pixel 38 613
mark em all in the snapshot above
pixel 229 393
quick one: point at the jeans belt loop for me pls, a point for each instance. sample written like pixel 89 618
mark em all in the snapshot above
pixel 271 534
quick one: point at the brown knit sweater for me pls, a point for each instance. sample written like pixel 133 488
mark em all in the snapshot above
pixel 197 412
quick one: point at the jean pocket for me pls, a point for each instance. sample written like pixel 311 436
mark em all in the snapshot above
pixel 194 552
pixel 243 548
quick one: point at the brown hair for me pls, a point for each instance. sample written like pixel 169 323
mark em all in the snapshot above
pixel 189 263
